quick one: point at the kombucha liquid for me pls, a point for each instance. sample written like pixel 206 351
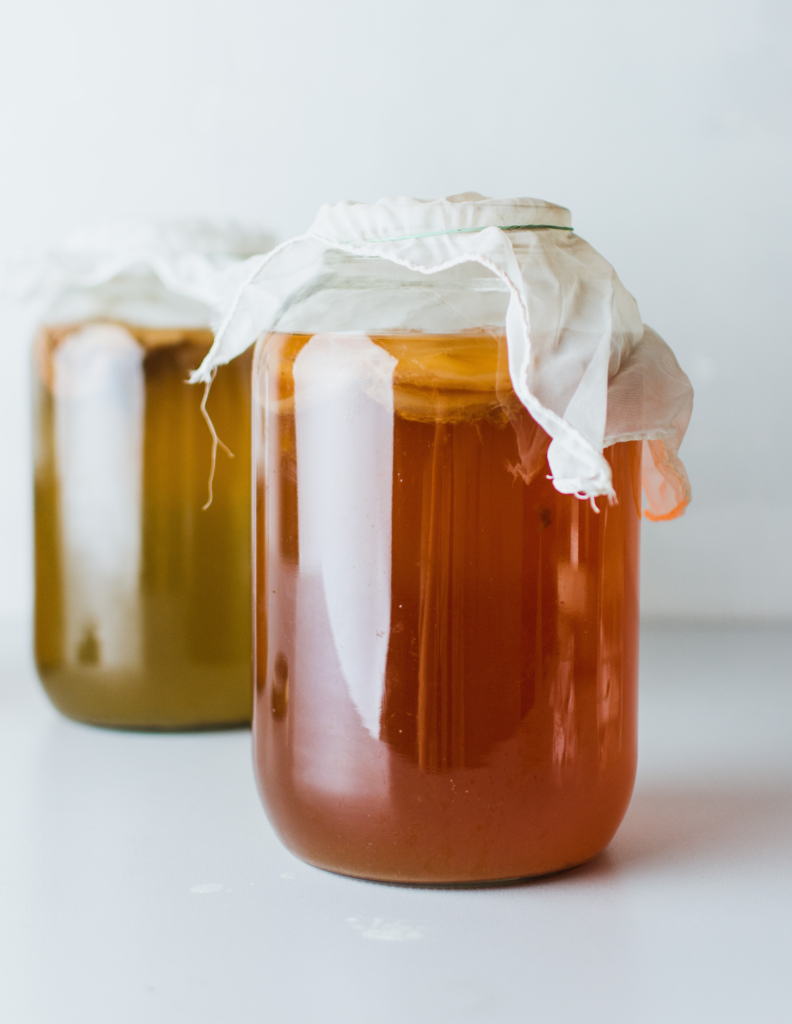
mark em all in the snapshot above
pixel 142 610
pixel 491 733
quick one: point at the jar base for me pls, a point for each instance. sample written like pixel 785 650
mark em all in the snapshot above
pixel 163 729
pixel 135 703
pixel 483 883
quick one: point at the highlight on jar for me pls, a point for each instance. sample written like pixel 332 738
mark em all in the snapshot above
pixel 142 585
pixel 459 420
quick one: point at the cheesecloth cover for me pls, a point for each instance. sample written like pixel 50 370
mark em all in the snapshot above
pixel 581 361
pixel 194 259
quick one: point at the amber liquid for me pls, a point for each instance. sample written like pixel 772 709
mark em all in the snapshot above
pixel 142 607
pixel 494 736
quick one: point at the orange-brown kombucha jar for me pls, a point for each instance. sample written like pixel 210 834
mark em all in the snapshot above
pixel 446 647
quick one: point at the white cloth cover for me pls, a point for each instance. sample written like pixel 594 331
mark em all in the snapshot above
pixel 580 359
pixel 192 258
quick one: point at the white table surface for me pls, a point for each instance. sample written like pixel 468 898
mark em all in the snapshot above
pixel 141 882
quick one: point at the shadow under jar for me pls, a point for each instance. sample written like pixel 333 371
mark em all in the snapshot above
pixel 142 597
pixel 446 647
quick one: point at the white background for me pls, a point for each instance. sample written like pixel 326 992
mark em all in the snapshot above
pixel 665 127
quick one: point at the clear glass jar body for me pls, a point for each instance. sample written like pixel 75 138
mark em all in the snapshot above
pixel 142 597
pixel 446 647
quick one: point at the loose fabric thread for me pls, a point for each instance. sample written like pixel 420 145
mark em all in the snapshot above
pixel 215 439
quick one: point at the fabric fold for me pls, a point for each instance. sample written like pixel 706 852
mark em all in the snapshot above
pixel 580 359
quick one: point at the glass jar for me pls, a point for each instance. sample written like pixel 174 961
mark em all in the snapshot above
pixel 142 596
pixel 446 646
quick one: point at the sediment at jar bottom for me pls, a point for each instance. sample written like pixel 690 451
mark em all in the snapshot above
pixel 142 597
pixel 452 829
pixel 487 729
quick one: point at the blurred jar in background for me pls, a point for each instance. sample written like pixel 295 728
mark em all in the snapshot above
pixel 142 595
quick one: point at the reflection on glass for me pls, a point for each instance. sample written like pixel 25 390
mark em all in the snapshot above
pixel 446 646
pixel 98 381
pixel 344 430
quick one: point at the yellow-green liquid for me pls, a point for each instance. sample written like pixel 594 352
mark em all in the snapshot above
pixel 142 609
